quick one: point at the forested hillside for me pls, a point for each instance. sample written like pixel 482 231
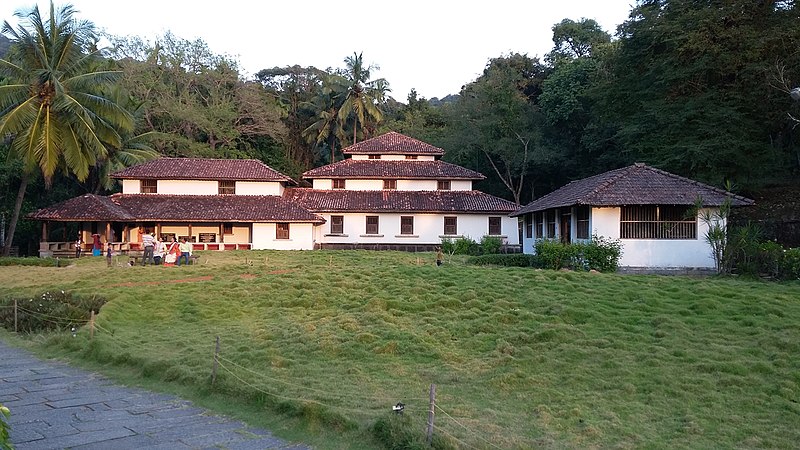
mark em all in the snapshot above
pixel 695 88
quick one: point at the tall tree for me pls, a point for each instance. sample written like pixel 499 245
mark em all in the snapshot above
pixel 52 104
pixel 363 95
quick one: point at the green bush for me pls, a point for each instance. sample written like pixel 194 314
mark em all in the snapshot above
pixel 555 255
pixel 602 254
pixel 509 260
pixel 48 312
pixel 396 432
pixel 5 439
pixel 491 245
pixel 460 246
pixel 790 266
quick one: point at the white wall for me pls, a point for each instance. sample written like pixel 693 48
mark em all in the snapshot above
pixel 187 187
pixel 667 253
pixel 428 228
pixel 301 237
pixel 259 188
pixel 402 185
pixel 322 183
pixel 130 186
pixel 396 157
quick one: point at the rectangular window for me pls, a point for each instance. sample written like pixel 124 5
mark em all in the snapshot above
pixel 528 226
pixel 226 187
pixel 149 186
pixel 337 224
pixel 390 184
pixel 411 156
pixel 494 226
pixel 338 183
pixel 227 228
pixel 374 156
pixel 443 185
pixel 551 223
pixel 451 226
pixel 657 222
pixel 406 225
pixel 539 219
pixel 372 225
pixel 281 230
pixel 582 218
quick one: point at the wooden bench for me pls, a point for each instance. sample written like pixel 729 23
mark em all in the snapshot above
pixel 135 260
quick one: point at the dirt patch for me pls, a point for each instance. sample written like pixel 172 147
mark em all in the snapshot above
pixel 154 283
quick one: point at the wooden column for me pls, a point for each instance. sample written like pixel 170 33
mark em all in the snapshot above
pixel 221 232
pixel 64 234
pixel 158 230
pixel 125 233
pixel 190 233
pixel 108 231
pixel 44 231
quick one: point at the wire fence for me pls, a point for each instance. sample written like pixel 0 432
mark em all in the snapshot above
pixel 254 380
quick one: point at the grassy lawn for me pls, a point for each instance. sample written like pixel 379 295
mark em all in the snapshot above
pixel 521 358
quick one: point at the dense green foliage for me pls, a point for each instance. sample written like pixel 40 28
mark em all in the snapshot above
pixel 600 254
pixel 29 261
pixel 508 260
pixel 521 358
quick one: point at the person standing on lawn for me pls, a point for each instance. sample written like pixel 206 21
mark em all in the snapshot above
pixel 148 243
pixel 109 254
pixel 186 251
pixel 78 246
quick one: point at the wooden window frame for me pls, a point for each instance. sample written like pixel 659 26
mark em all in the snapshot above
pixel 550 223
pixel 374 157
pixel 451 229
pixel 337 224
pixel 407 225
pixel 443 185
pixel 282 231
pixel 529 225
pixel 227 229
pixel 657 222
pixel 390 185
pixel 148 186
pixel 411 156
pixel 226 187
pixel 338 183
pixel 582 214
pixel 376 225
pixel 495 226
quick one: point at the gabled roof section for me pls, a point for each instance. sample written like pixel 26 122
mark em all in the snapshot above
pixel 178 208
pixel 391 169
pixel 638 184
pixel 399 201
pixel 87 207
pixel 392 143
pixel 203 169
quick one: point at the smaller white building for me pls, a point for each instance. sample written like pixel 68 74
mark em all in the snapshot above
pixel 649 210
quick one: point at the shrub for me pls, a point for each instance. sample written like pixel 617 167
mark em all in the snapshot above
pixel 555 255
pixel 790 266
pixel 602 254
pixel 491 245
pixel 460 246
pixel 509 260
pixel 5 439
pixel 396 432
pixel 49 311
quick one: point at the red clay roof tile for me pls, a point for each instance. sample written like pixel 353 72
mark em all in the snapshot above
pixel 203 169
pixel 392 143
pixel 392 169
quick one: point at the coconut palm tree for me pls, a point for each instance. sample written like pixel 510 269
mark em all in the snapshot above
pixel 51 104
pixel 363 94
pixel 328 126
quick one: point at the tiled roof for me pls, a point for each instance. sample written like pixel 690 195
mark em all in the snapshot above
pixel 638 184
pixel 398 201
pixel 392 169
pixel 178 208
pixel 392 143
pixel 203 169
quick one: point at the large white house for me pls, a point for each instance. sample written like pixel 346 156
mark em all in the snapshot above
pixel 392 194
pixel 647 209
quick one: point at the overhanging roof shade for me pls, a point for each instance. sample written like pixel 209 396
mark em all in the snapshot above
pixel 399 201
pixel 177 208
pixel 638 184
pixel 392 169
pixel 392 143
pixel 203 169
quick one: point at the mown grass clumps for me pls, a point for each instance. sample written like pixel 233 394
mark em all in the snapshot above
pixel 398 432
pixel 38 262
pixel 49 311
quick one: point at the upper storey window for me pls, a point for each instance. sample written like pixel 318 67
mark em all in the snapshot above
pixel 148 187
pixel 390 184
pixel 338 183
pixel 443 185
pixel 374 156
pixel 227 187
pixel 411 156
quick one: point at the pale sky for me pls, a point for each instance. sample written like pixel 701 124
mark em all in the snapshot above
pixel 435 46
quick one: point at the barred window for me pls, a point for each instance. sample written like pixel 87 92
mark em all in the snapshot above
pixel 281 230
pixel 338 183
pixel 227 228
pixel 539 218
pixel 528 226
pixel 443 185
pixel 582 217
pixel 406 225
pixel 337 224
pixel 657 222
pixel 495 228
pixel 411 156
pixel 372 225
pixel 226 187
pixel 374 156
pixel 551 223
pixel 451 226
pixel 148 186
pixel 390 184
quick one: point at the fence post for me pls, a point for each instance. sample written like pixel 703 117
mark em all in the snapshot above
pixel 91 326
pixel 431 413
pixel 216 363
pixel 15 315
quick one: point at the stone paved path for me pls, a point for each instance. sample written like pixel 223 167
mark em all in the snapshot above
pixel 55 406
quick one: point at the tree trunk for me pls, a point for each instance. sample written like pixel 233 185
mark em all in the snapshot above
pixel 12 226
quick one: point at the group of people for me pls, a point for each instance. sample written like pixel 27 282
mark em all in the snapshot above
pixel 159 252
